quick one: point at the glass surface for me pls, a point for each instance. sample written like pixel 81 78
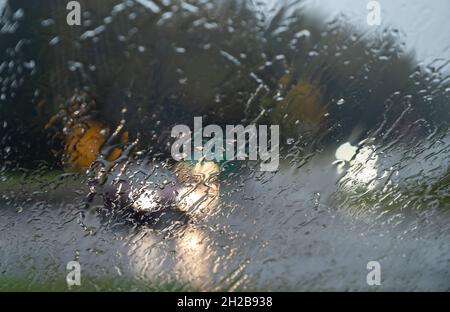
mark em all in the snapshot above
pixel 87 173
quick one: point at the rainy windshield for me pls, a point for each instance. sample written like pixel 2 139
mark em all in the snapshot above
pixel 224 145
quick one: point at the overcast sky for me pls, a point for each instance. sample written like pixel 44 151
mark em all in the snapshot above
pixel 424 23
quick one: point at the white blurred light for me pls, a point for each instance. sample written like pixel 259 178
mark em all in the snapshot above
pixel 345 152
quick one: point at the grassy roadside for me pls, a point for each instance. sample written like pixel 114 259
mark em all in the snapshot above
pixel 90 284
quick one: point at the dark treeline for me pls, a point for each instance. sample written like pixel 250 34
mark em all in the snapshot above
pixel 223 60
